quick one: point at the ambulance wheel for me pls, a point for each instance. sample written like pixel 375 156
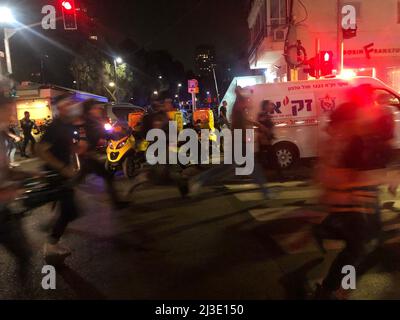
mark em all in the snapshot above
pixel 128 167
pixel 287 154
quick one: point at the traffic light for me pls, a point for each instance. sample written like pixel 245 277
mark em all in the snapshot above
pixel 326 63
pixel 313 69
pixel 69 14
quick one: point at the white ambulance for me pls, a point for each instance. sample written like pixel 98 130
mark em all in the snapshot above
pixel 301 109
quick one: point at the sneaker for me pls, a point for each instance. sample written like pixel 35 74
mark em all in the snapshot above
pixel 14 164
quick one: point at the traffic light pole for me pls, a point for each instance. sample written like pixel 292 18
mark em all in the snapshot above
pixel 115 80
pixel 8 33
pixel 340 43
pixel 216 84
pixel 317 54
pixel 193 102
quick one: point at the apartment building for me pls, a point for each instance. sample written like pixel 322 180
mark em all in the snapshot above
pixel 364 36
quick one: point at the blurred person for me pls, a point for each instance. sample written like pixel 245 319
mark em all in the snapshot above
pixel 240 121
pixel 94 135
pixel 27 125
pixel 351 168
pixel 12 236
pixel 157 118
pixel 56 149
pixel 266 137
pixel 222 117
pixel 168 105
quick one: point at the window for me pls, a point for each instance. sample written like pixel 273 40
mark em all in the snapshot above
pixel 394 78
pixel 278 12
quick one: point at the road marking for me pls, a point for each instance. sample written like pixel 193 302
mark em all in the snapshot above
pixel 301 240
pixel 290 212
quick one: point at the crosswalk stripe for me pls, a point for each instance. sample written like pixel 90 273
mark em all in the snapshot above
pixel 301 240
pixel 284 213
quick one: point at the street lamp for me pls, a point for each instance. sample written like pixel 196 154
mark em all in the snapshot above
pixel 155 92
pixel 6 15
pixel 160 77
pixel 117 60
pixel 111 84
pixel 179 85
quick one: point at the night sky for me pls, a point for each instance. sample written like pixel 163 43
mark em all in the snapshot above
pixel 177 26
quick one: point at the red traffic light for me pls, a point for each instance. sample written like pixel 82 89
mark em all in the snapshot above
pixel 326 63
pixel 67 5
pixel 69 14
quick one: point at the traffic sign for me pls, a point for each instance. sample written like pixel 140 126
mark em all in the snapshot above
pixel 193 86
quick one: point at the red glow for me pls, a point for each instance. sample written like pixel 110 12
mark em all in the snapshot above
pixel 67 5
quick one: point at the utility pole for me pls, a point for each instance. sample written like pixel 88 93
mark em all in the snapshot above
pixel 8 33
pixel 193 102
pixel 216 84
pixel 340 43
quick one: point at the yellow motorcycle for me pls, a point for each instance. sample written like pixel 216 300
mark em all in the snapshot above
pixel 124 152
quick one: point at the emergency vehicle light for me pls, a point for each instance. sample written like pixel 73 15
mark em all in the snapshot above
pixel 347 74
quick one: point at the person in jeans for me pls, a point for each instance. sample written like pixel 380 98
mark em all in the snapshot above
pixel 56 149
pixel 13 140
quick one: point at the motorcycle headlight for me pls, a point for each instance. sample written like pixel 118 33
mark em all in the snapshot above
pixel 108 126
pixel 121 144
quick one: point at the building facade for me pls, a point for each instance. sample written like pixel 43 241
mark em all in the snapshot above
pixel 370 45
pixel 204 61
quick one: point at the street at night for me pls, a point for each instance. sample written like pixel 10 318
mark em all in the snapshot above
pixel 199 158
pixel 224 243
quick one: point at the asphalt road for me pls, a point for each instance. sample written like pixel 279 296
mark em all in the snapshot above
pixel 224 243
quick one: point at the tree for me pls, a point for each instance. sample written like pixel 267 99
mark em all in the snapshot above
pixel 94 72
